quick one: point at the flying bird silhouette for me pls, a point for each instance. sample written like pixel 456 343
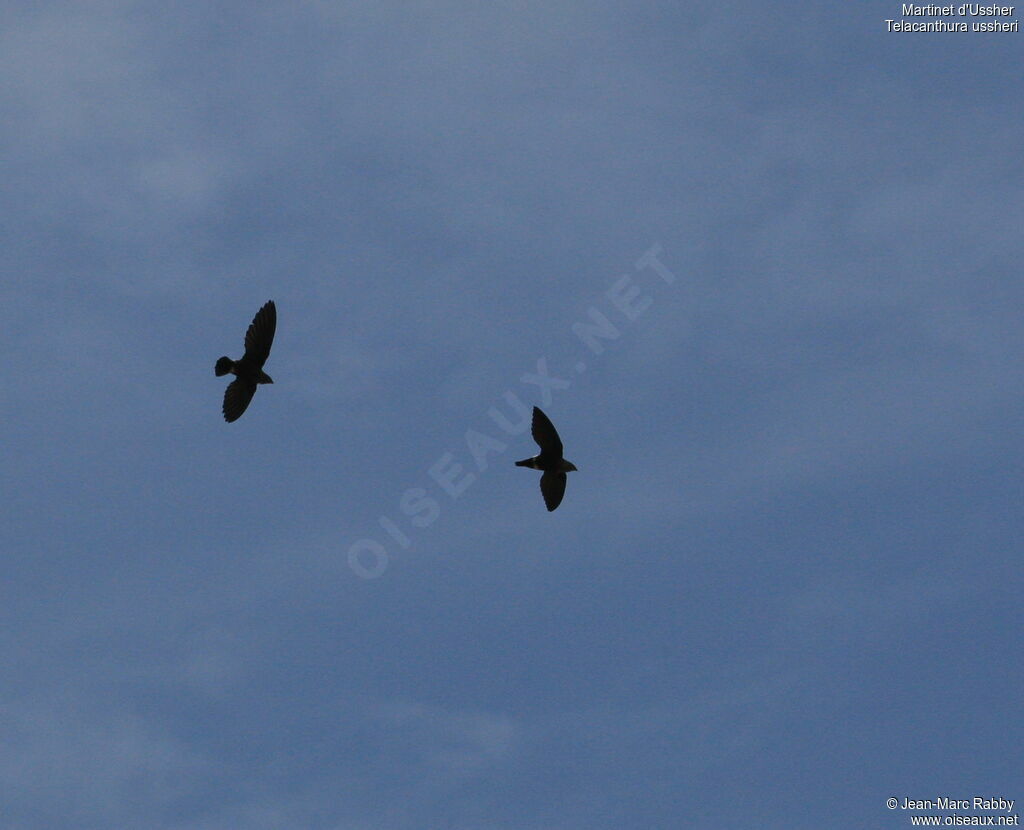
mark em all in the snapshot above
pixel 248 371
pixel 552 483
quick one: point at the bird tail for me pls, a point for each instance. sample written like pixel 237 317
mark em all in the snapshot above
pixel 526 462
pixel 223 366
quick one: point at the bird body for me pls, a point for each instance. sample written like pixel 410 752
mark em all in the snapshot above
pixel 558 466
pixel 248 371
pixel 550 460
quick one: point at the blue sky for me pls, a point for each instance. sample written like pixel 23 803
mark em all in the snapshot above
pixel 785 582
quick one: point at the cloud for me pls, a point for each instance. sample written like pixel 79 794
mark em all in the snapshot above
pixel 66 759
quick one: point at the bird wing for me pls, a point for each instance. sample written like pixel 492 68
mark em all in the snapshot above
pixel 545 435
pixel 260 336
pixel 552 487
pixel 236 399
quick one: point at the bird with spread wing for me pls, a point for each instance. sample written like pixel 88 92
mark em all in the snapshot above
pixel 248 371
pixel 550 460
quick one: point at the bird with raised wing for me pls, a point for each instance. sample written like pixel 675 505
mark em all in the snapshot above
pixel 550 460
pixel 248 371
